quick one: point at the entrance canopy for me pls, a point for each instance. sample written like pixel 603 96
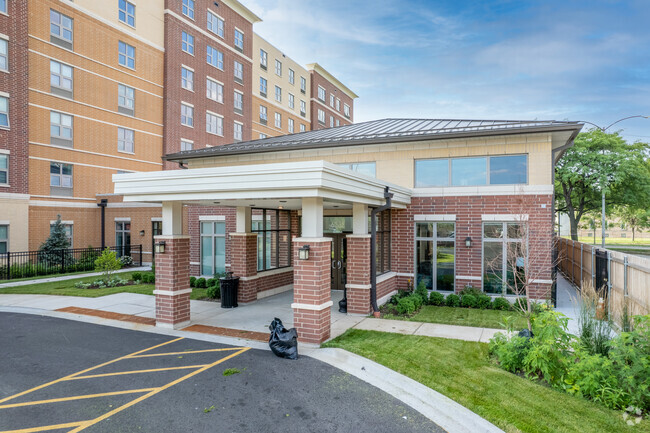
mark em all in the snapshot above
pixel 281 185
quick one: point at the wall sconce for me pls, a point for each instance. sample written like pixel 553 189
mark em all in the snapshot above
pixel 303 253
pixel 159 248
pixel 468 242
pixel 141 232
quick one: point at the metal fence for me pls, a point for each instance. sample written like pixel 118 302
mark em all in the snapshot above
pixel 26 264
pixel 624 279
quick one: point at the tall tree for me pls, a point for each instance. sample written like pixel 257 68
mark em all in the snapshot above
pixel 601 161
pixel 51 250
pixel 634 217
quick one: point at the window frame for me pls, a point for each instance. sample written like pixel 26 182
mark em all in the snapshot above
pixel 125 108
pixel 5 240
pixel 264 59
pixel 60 89
pixel 120 11
pixel 238 42
pixel 185 143
pixel 263 235
pixel 220 23
pixel 3 6
pixel 60 139
pixel 292 101
pixel 218 123
pixel 264 114
pixel 278 68
pixel 5 113
pixel 125 55
pixel 292 76
pixel 504 240
pixel 303 84
pixel 213 243
pixel 187 43
pixel 187 78
pixel 218 90
pixel 62 176
pixel 263 86
pixel 278 120
pixel 320 114
pixel 4 170
pixel 238 102
pixel 346 110
pixel 323 93
pixel 60 39
pixel 434 239
pixel 125 140
pixel 216 55
pixel 290 125
pixel 488 176
pixel 238 67
pixel 4 55
pixel 187 107
pixel 383 242
pixel 278 93
pixel 187 8
pixel 238 129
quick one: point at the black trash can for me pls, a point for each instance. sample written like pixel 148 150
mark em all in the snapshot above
pixel 229 285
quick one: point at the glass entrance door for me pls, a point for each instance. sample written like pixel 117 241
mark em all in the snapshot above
pixel 339 260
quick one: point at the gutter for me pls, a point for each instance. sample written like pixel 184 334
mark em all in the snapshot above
pixel 373 250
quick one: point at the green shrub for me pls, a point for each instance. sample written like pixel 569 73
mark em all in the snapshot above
pixel 148 278
pixel 201 283
pixel 422 292
pixel 397 296
pixel 211 282
pixel 126 260
pixel 470 291
pixel 192 281
pixel 594 377
pixel 417 300
pixel 214 291
pixel 452 300
pixel 501 304
pixel 436 298
pixel 510 352
pixel 468 301
pixel 107 263
pixel 136 276
pixel 483 302
pixel 406 306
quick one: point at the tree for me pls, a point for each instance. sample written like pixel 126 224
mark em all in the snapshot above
pixel 635 218
pixel 599 162
pixel 50 251
pixel 107 263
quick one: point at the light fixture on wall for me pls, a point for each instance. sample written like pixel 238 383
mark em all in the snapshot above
pixel 141 232
pixel 468 242
pixel 159 248
pixel 303 253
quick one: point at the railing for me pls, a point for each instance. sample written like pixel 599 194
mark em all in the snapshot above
pixel 624 279
pixel 26 264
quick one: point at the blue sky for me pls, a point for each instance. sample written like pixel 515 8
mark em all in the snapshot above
pixel 483 59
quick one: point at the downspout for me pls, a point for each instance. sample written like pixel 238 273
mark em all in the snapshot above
pixel 373 250
pixel 102 204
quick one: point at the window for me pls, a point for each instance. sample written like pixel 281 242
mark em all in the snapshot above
pixel 504 257
pixel 321 94
pixel 278 68
pixel 60 29
pixel 186 145
pixel 127 12
pixel 215 24
pixel 346 110
pixel 331 100
pixel 292 101
pixel 125 140
pixel 263 84
pixel 262 135
pixel 215 58
pixel 278 94
pixel 338 104
pixel 188 8
pixel 4 169
pixel 473 171
pixel 239 40
pixel 60 129
pixel 435 255
pixel 239 103
pixel 263 59
pixel 60 179
pixel 187 78
pixel 303 108
pixel 213 247
pixel 263 114
pixel 290 125
pixel 213 124
pixel 4 229
pixel 67 229
pixel 126 55
pixel 4 55
pixel 331 121
pixel 123 238
pixel 3 6
pixel 61 79
pixel 4 112
pixel 239 72
pixel 367 168
pixel 338 123
pixel 383 242
pixel 238 131
pixel 303 84
pixel 273 228
pixel 187 115
pixel 214 90
pixel 302 127
pixel 125 99
pixel 292 76
pixel 187 43
pixel 278 120
pixel 321 116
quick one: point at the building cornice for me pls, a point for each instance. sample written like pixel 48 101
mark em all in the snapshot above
pixel 331 78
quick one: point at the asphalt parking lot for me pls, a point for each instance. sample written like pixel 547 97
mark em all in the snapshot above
pixel 64 376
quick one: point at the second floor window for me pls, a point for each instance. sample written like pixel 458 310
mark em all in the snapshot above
pixel 290 125
pixel 321 116
pixel 126 55
pixel 187 44
pixel 4 55
pixel 60 175
pixel 127 12
pixel 278 120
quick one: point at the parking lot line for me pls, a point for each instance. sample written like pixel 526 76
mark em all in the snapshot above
pixel 76 397
pixel 151 370
pixel 47 427
pixel 151 355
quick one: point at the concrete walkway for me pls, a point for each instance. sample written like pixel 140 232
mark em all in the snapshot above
pixel 67 277
pixel 568 302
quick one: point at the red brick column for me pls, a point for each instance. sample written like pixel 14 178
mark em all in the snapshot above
pixel 173 282
pixel 243 264
pixel 312 299
pixel 358 275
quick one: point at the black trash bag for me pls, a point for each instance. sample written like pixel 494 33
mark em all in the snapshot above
pixel 283 342
pixel 525 333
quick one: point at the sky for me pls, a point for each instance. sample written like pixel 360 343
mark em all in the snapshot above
pixel 482 59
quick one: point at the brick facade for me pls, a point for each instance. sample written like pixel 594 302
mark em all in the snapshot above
pixel 316 80
pixel 358 274
pixel 173 282
pixel 243 264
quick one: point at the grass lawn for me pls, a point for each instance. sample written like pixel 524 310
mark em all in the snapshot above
pixel 612 241
pixel 463 317
pixel 462 371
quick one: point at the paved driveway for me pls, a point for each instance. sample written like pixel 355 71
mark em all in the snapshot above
pixel 75 376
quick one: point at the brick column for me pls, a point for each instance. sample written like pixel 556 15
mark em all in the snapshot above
pixel 173 282
pixel 312 290
pixel 358 275
pixel 243 264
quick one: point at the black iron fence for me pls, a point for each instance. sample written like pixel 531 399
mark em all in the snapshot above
pixel 26 264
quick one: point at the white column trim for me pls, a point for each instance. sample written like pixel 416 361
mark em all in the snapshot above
pixel 462 277
pixel 172 292
pixel 312 307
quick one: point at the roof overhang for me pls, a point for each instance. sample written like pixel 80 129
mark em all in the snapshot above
pixel 264 183
pixel 332 79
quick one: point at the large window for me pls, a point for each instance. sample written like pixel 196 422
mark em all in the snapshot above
pixel 214 90
pixel 187 43
pixel 215 24
pixel 4 239
pixel 125 99
pixel 435 254
pixel 60 29
pixel 60 129
pixel 4 112
pixel 367 168
pixel 4 169
pixel 188 8
pixel 127 12
pixel 61 79
pixel 321 94
pixel 473 171
pixel 125 139
pixel 4 55
pixel 60 179
pixel 126 55
pixel 273 228
pixel 383 242
pixel 213 124
pixel 213 247
pixel 123 238
pixel 215 57
pixel 503 257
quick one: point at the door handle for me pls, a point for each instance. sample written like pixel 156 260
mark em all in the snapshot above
pixel 340 263
pixel 333 264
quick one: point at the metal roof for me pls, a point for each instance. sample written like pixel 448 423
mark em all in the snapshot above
pixel 381 131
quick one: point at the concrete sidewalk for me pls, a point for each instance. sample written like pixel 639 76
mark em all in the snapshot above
pixel 67 277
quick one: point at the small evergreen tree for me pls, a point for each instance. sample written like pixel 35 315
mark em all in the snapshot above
pixel 50 250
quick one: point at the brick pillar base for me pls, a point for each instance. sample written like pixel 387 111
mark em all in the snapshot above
pixel 243 264
pixel 312 299
pixel 173 282
pixel 358 274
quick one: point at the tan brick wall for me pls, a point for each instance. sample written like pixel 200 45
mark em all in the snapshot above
pixel 269 129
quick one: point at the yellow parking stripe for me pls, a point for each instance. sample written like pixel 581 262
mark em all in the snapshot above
pixel 76 397
pixel 152 370
pixel 162 388
pixel 47 427
pixel 86 370
pixel 150 355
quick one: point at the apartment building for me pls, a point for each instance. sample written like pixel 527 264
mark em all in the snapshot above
pixel 331 101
